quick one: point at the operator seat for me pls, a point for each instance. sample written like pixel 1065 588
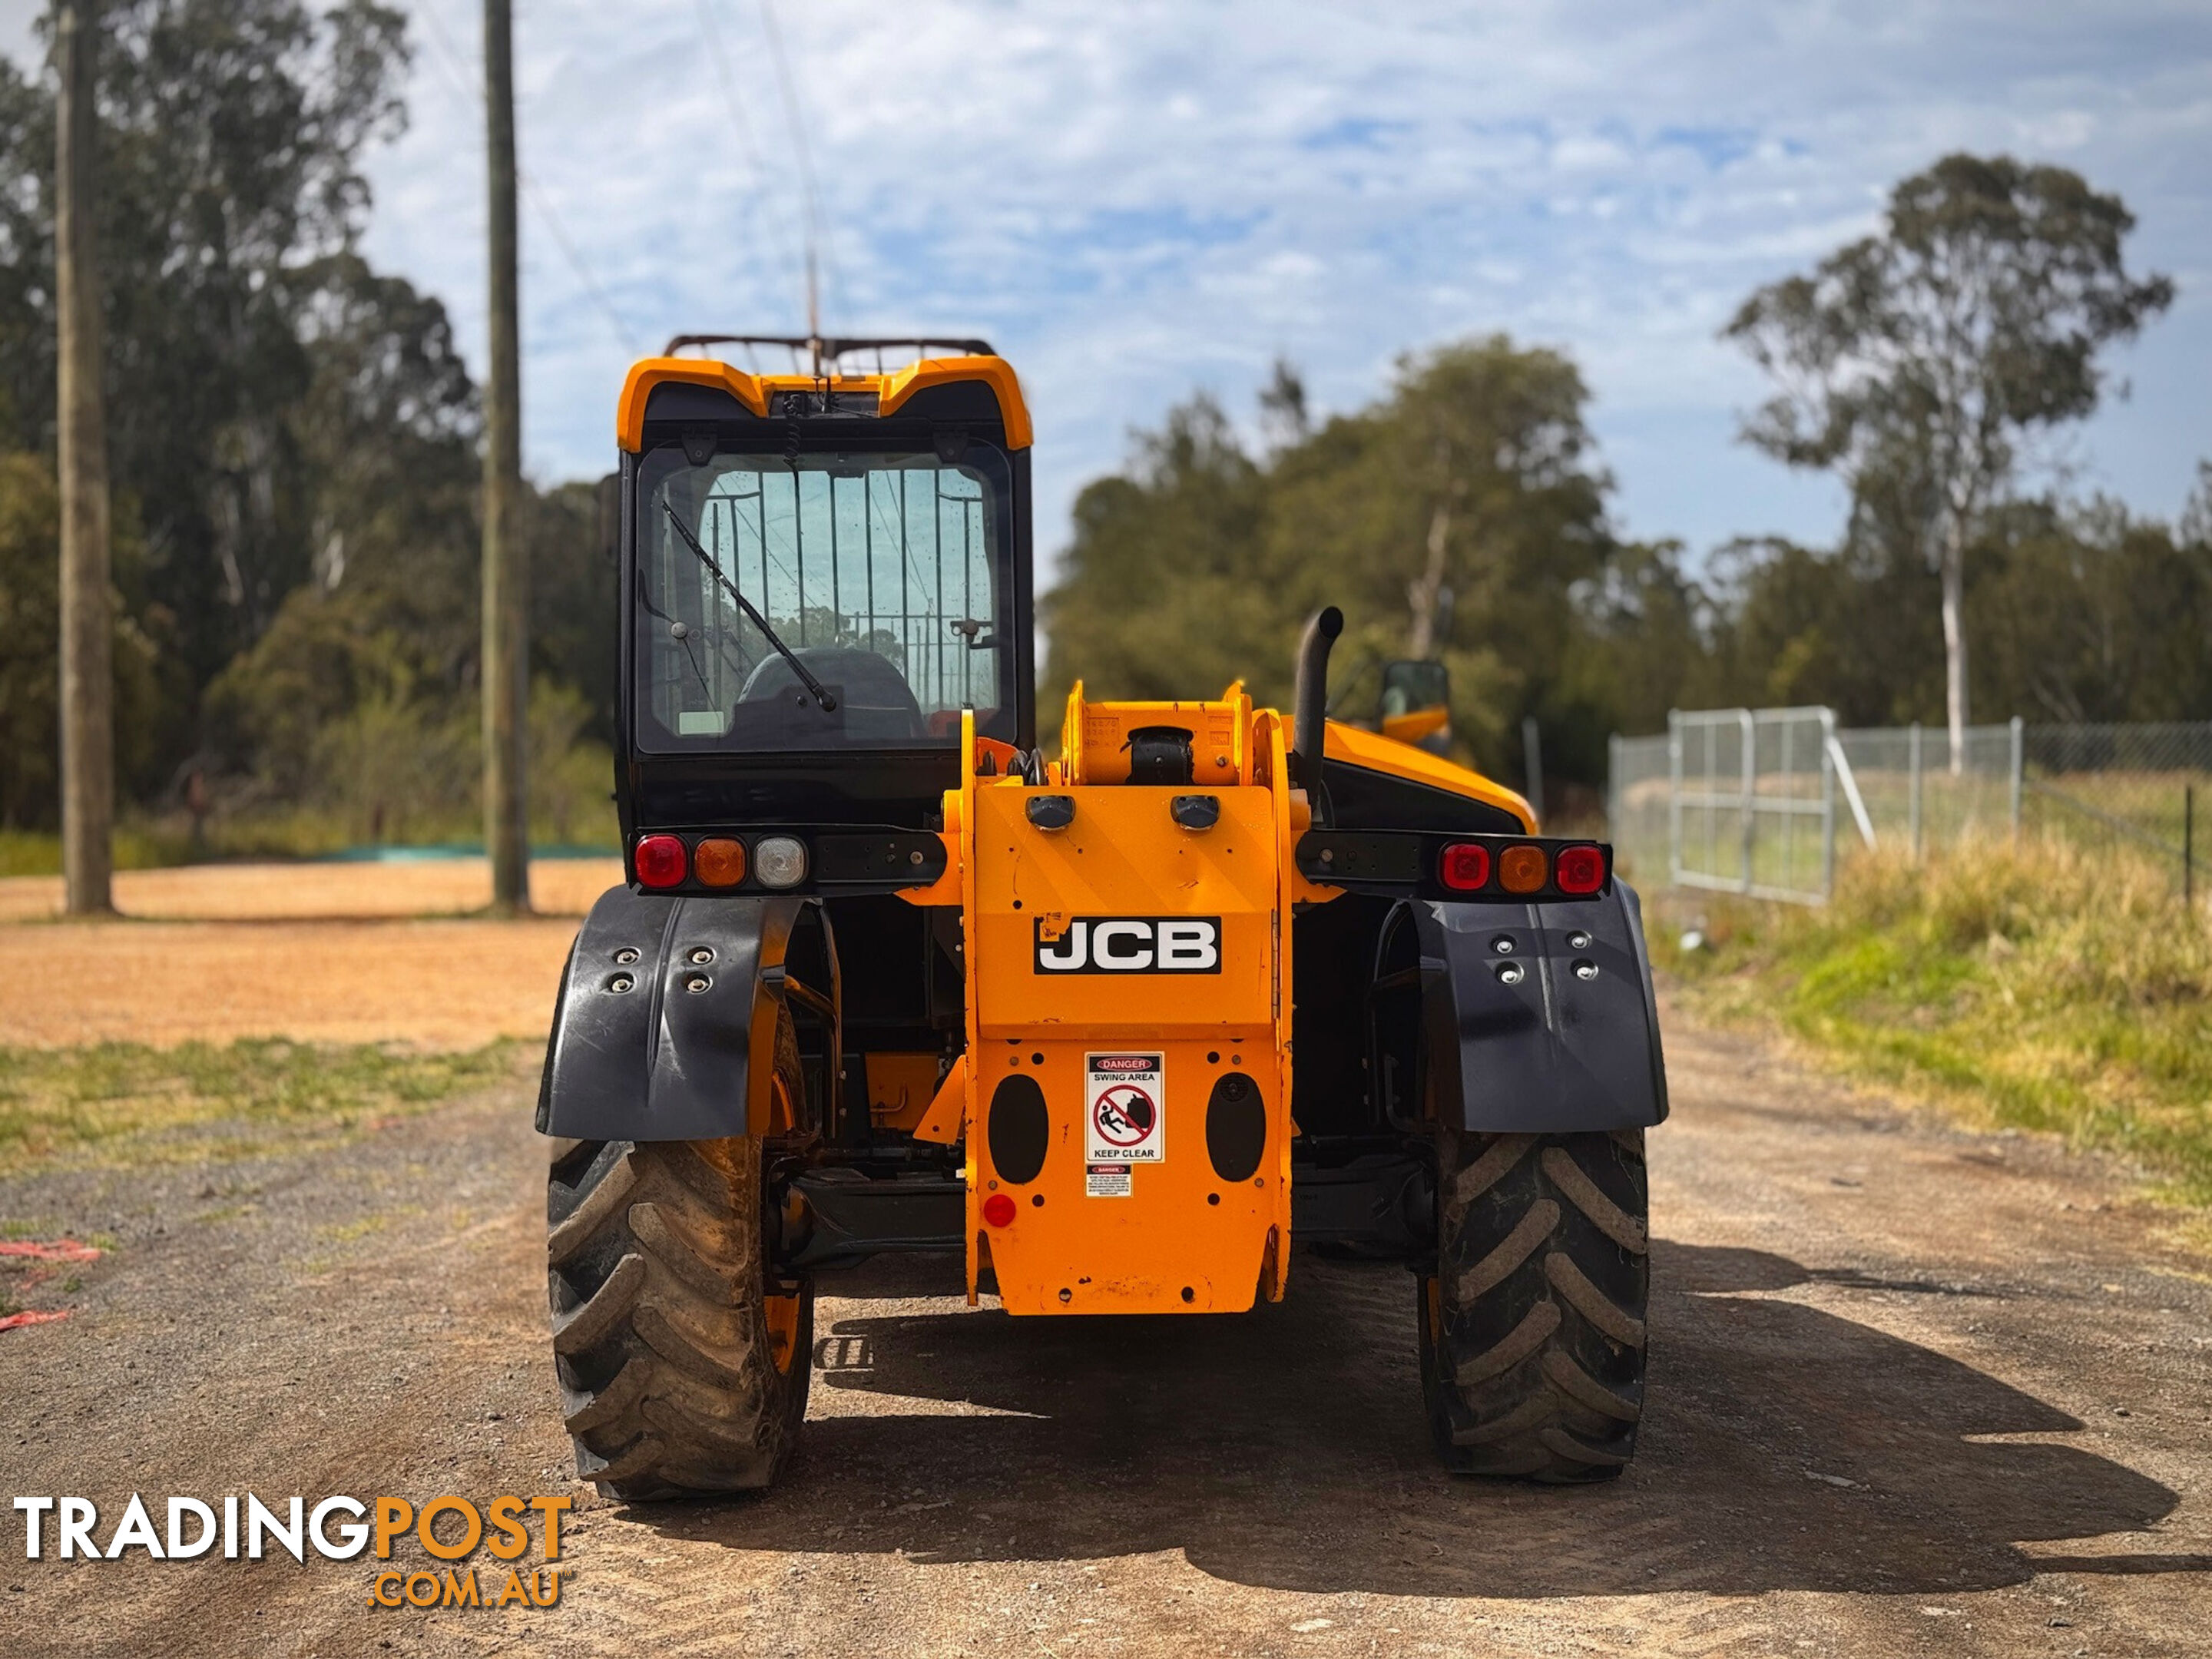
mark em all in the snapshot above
pixel 874 702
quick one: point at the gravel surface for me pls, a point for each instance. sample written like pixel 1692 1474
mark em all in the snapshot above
pixel 1912 1391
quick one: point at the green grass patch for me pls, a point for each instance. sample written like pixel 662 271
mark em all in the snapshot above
pixel 2040 987
pixel 125 1102
pixel 36 853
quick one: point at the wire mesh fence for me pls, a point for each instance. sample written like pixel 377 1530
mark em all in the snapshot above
pixel 1751 801
pixel 1764 801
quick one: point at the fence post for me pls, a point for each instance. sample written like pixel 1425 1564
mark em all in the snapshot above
pixel 1827 805
pixel 1830 748
pixel 2189 843
pixel 1913 797
pixel 1612 786
pixel 1674 798
pixel 1749 729
pixel 2019 768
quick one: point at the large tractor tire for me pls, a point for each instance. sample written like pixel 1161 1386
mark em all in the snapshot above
pixel 683 1370
pixel 1532 1323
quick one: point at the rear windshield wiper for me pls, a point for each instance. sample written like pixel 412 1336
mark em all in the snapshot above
pixel 822 693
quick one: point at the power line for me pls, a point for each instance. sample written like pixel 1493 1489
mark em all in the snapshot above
pixel 712 34
pixel 449 60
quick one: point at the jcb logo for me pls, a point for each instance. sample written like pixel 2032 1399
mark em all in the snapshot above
pixel 1133 944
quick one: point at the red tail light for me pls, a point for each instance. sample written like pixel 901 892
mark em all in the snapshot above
pixel 999 1210
pixel 1464 866
pixel 660 861
pixel 1579 870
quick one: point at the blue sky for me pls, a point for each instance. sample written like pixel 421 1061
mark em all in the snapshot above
pixel 1136 199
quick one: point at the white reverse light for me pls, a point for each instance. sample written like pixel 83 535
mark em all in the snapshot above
pixel 779 861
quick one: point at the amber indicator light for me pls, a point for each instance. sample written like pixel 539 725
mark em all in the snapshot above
pixel 719 861
pixel 1521 869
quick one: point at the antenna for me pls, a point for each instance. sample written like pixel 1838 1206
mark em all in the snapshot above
pixel 790 97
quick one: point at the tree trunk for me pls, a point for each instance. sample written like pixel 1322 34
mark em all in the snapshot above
pixel 1422 595
pixel 1955 640
pixel 506 575
pixel 87 625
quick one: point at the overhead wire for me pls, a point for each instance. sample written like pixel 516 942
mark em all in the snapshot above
pixel 450 60
pixel 711 32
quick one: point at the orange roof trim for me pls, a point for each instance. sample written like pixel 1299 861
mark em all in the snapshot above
pixel 753 391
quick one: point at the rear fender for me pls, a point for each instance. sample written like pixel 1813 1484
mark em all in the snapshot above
pixel 666 1008
pixel 1569 1044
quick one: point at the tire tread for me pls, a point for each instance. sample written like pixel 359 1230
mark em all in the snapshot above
pixel 1533 1360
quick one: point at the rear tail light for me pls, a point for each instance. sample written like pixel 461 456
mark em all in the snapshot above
pixel 1522 869
pixel 780 861
pixel 659 860
pixel 1579 870
pixel 1464 868
pixel 999 1210
pixel 719 861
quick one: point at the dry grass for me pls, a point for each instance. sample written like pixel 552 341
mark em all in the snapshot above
pixel 125 1102
pixel 2042 986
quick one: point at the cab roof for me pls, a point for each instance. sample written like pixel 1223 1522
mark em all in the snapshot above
pixel 755 392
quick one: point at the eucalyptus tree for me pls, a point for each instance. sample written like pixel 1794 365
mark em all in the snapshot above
pixel 1919 361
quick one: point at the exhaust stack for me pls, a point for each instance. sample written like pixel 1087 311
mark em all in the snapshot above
pixel 1310 720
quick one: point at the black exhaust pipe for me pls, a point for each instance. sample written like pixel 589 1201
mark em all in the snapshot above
pixel 1310 719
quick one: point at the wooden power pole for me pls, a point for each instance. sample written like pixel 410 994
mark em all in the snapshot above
pixel 88 641
pixel 505 573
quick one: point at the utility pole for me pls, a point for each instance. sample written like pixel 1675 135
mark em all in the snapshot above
pixel 506 574
pixel 88 641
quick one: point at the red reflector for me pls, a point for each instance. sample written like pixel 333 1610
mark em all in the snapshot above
pixel 660 861
pixel 1579 870
pixel 1465 867
pixel 999 1210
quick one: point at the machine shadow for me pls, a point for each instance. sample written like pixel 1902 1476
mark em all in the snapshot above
pixel 1783 1448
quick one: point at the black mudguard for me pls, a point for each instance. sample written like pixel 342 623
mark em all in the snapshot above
pixel 636 1053
pixel 1572 1044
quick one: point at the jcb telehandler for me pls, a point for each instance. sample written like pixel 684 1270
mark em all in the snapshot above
pixel 1118 1027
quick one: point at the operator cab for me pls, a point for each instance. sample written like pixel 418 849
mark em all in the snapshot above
pixel 821 571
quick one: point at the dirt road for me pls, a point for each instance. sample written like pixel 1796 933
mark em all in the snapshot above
pixel 333 953
pixel 1913 1391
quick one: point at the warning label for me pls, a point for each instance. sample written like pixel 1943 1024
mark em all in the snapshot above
pixel 1126 1095
pixel 1106 1181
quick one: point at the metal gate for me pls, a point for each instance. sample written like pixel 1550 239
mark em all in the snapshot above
pixel 1751 801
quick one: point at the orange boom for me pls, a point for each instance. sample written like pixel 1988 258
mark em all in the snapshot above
pixel 1118 1027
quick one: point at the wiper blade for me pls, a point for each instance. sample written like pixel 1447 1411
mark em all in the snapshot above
pixel 822 693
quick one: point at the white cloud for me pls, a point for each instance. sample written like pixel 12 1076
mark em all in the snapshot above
pixel 1135 198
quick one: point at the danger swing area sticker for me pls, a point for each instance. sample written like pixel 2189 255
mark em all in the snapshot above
pixel 1125 1123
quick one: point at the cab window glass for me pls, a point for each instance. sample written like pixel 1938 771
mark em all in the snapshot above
pixel 881 574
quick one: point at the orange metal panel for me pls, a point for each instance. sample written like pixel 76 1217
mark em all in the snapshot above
pixel 754 390
pixel 1378 753
pixel 1094 738
pixel 900 1087
pixel 1169 1236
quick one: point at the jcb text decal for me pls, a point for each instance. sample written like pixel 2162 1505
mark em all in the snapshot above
pixel 1132 945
